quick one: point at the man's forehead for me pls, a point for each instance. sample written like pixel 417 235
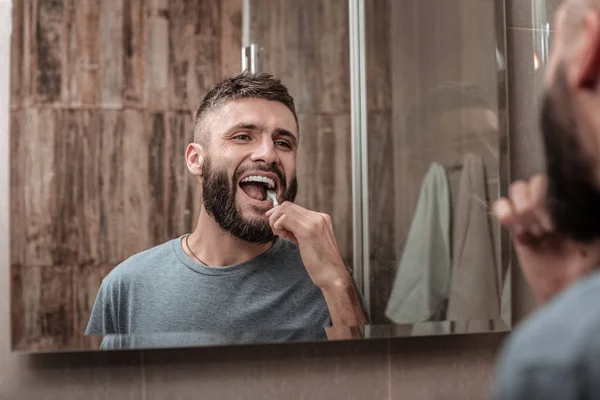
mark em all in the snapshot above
pixel 260 112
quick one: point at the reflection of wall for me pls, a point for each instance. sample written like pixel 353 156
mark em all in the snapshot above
pixel 102 100
pixel 306 45
pixel 412 48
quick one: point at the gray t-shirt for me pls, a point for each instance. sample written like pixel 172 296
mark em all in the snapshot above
pixel 555 354
pixel 163 291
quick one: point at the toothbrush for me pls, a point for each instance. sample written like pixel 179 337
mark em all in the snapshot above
pixel 271 196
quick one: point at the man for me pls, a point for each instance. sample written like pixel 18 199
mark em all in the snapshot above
pixel 555 223
pixel 249 267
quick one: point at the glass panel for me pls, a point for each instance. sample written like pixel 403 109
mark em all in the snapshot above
pixel 434 159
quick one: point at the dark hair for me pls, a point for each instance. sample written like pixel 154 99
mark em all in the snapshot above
pixel 246 85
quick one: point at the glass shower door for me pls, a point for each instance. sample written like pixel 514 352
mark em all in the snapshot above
pixel 436 161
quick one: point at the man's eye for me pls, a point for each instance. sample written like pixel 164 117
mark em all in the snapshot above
pixel 284 144
pixel 243 137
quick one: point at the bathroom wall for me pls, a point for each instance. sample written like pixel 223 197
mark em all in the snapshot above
pixel 103 96
pixel 460 367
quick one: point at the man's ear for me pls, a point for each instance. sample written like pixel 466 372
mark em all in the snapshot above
pixel 586 63
pixel 194 157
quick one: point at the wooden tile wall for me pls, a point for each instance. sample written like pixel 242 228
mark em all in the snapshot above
pixel 103 96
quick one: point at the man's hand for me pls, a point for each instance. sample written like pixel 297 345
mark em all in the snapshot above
pixel 549 260
pixel 313 233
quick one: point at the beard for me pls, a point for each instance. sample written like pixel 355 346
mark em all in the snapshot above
pixel 573 196
pixel 219 199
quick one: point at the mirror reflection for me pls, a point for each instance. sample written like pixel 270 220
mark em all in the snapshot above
pixel 210 173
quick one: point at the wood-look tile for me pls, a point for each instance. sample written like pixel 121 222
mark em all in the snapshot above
pixel 208 65
pixel 378 60
pixel 136 234
pixel 84 57
pixel 183 17
pixel 301 54
pixel 382 229
pixel 324 178
pixel 111 52
pixel 267 31
pixel 38 136
pixel 381 189
pixel 333 181
pixel 303 371
pixel 110 155
pixel 42 312
pixel 134 52
pixel 27 64
pixel 156 84
pixel 16 54
pixel 48 65
pixel 76 222
pixel 154 176
pixel 208 21
pixel 181 190
pixel 306 162
pixel 208 48
pixel 231 37
pixel 86 283
pixel 18 233
pixel 333 67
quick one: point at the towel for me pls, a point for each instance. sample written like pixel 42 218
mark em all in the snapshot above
pixel 474 289
pixel 422 280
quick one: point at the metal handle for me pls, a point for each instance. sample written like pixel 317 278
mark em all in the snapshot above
pixel 250 58
pixel 244 58
pixel 253 58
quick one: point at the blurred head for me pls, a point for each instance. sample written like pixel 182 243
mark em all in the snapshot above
pixel 570 121
pixel 245 142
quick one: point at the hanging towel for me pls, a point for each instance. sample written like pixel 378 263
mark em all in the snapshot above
pixel 474 289
pixel 422 280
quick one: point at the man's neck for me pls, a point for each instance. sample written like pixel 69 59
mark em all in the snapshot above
pixel 213 246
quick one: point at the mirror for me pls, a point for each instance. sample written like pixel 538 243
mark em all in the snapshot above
pixel 401 111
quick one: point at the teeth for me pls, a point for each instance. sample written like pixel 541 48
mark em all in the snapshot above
pixel 262 179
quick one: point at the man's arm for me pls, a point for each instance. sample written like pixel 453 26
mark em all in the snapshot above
pixel 346 310
pixel 313 233
pixel 344 303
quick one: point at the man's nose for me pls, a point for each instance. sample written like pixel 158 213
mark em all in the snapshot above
pixel 265 152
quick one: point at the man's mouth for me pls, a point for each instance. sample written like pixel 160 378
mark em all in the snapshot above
pixel 256 186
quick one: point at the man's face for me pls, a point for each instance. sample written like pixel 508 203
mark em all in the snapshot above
pixel 573 191
pixel 251 147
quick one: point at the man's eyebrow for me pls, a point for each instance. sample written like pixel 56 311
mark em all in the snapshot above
pixel 246 126
pixel 285 132
pixel 259 128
